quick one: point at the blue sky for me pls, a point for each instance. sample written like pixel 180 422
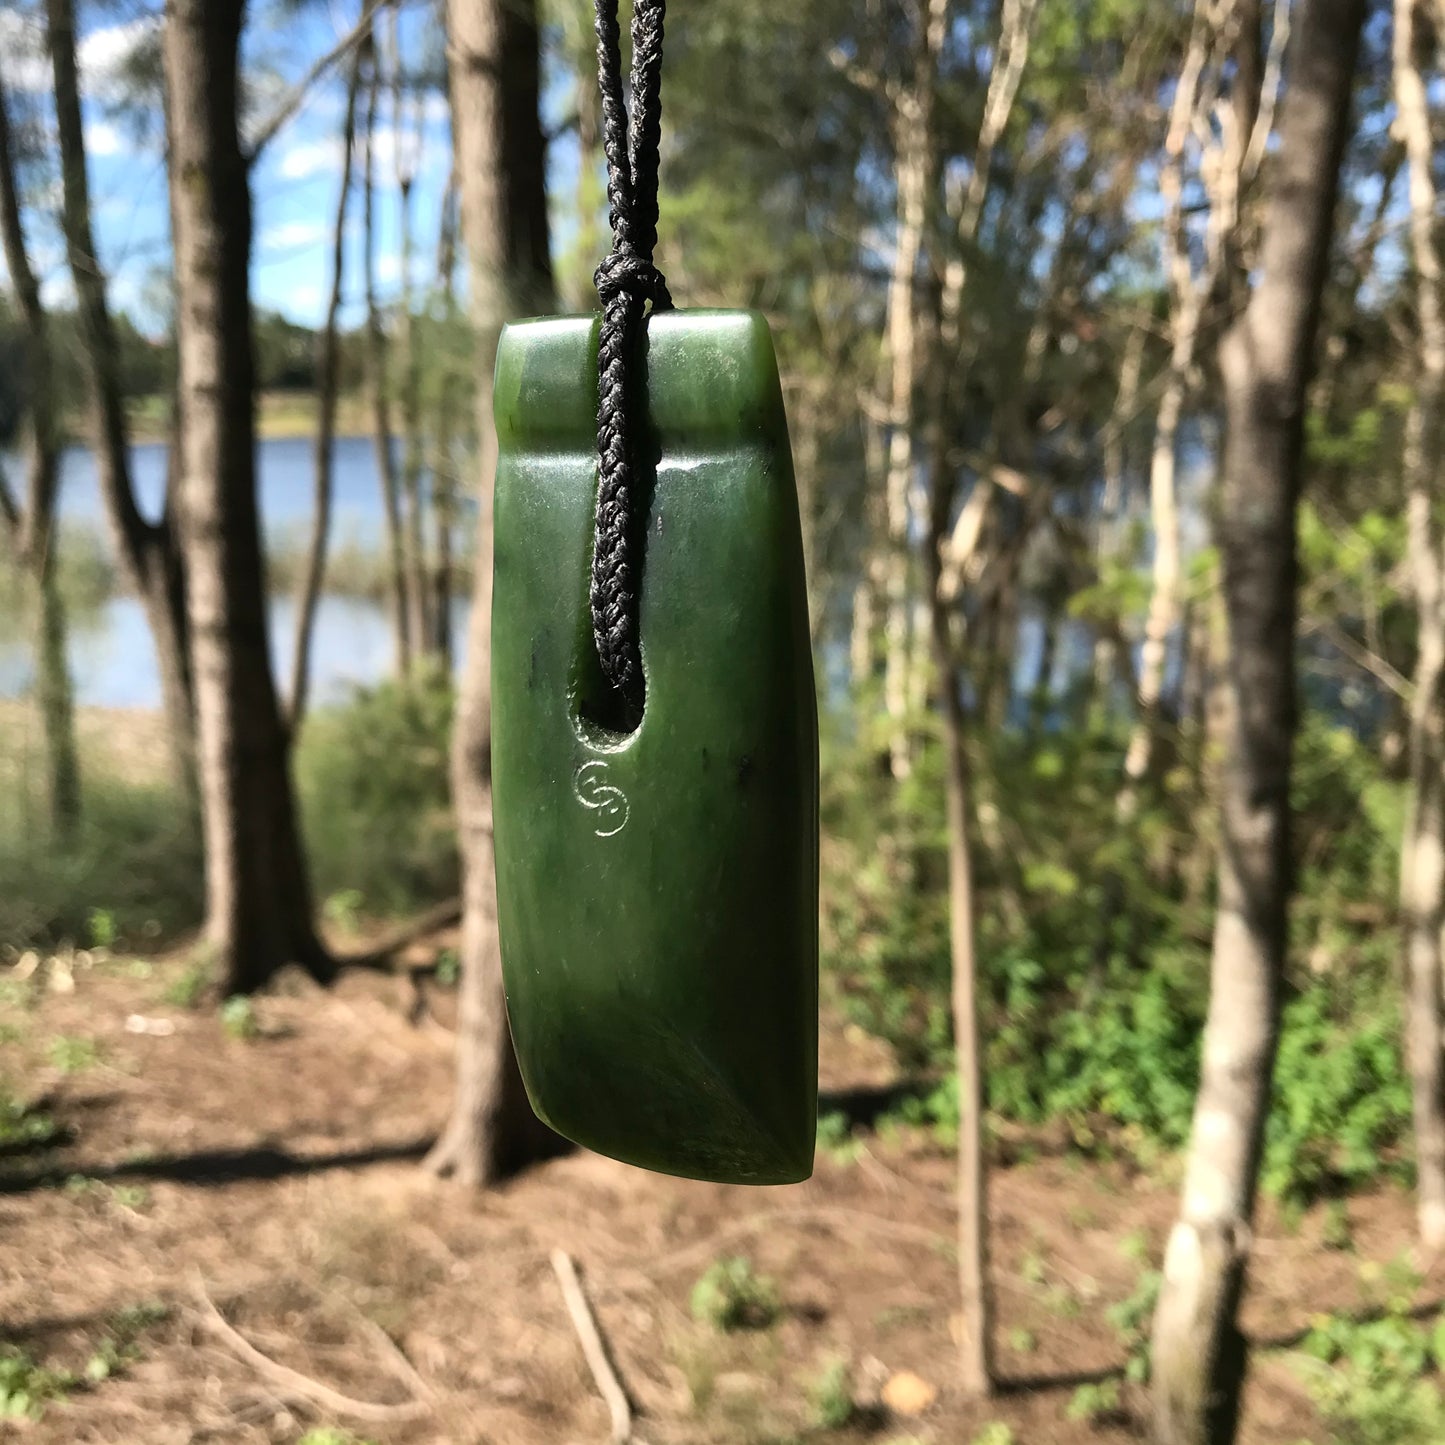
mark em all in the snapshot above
pixel 294 186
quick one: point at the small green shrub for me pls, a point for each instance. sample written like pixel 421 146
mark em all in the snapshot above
pixel 238 1018
pixel 1094 1403
pixel 21 1126
pixel 73 1055
pixel 133 870
pixel 376 795
pixel 331 1435
pixel 26 1388
pixel 188 989
pixel 994 1433
pixel 1375 1382
pixel 732 1296
pixel 831 1397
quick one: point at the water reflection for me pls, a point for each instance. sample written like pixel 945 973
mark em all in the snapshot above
pixel 112 656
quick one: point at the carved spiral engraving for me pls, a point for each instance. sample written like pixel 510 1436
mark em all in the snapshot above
pixel 594 792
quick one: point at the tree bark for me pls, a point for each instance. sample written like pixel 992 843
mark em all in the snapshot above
pixel 413 547
pixel 1195 99
pixel 327 363
pixel 1422 853
pixel 32 531
pixel 376 356
pixel 150 551
pixel 258 898
pixel 494 62
pixel 444 461
pixel 915 170
pixel 1265 359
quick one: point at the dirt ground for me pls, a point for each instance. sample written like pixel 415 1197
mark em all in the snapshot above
pixel 272 1184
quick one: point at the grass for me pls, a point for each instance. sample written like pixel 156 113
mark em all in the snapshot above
pixel 372 776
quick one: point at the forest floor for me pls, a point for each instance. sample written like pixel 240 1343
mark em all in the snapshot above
pixel 266 1174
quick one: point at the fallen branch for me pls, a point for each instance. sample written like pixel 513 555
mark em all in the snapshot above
pixel 590 1337
pixel 293 1380
pixel 379 955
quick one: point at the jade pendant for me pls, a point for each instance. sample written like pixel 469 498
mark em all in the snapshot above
pixel 657 891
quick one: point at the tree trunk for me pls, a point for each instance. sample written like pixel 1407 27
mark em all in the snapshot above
pixel 444 461
pixel 413 548
pixel 376 368
pixel 150 552
pixel 258 898
pixel 33 531
pixel 975 1347
pixel 327 361
pixel 494 61
pixel 914 172
pixel 1422 853
pixel 1189 293
pixel 1265 359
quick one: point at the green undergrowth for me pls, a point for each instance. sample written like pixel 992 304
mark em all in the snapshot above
pixel 372 778
pixel 1093 939
pixel 1377 1380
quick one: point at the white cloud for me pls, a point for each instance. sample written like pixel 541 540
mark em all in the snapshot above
pixel 293 236
pixel 309 158
pixel 21 46
pixel 103 53
pixel 103 139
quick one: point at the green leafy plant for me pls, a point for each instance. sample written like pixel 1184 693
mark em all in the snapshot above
pixel 104 932
pixel 21 1126
pixel 1375 1381
pixel 831 1396
pixel 1094 1403
pixel 449 968
pixel 732 1296
pixel 835 1138
pixel 189 988
pixel 26 1388
pixel 73 1055
pixel 238 1018
pixel 375 793
pixel 342 909
pixel 994 1433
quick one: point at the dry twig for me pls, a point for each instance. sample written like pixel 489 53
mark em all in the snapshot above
pixel 293 1381
pixel 590 1337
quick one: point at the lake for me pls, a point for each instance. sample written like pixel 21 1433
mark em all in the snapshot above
pixel 112 657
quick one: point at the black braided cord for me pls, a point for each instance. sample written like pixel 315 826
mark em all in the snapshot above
pixel 626 281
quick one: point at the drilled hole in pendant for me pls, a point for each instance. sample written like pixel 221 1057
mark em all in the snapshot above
pixel 614 713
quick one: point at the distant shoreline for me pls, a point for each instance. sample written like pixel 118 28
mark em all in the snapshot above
pixel 280 416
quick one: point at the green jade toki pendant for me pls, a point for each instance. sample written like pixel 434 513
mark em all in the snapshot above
pixel 657 891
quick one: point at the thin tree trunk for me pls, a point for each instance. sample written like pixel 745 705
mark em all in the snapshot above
pixel 1265 359
pixel 150 552
pixel 327 362
pixel 1113 507
pixel 1422 854
pixel 915 171
pixel 975 1347
pixel 258 898
pixel 1011 56
pixel 494 61
pixel 376 357
pixel 444 461
pixel 413 548
pixel 1194 99
pixel 33 531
